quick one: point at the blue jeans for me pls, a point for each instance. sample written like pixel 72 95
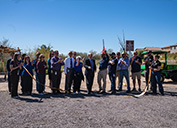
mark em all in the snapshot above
pixel 112 77
pixel 122 74
pixel 156 80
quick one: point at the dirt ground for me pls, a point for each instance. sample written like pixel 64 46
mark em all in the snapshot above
pixel 118 110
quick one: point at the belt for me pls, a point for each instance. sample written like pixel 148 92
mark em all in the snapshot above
pixel 103 69
pixel 55 70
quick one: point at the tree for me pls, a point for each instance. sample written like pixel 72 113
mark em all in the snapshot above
pixel 96 55
pixel 30 53
pixel 140 54
pixel 82 54
pixel 45 50
pixel 4 56
pixel 62 56
pixel 122 42
pixel 93 52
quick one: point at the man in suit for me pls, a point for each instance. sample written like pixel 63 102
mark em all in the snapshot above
pixel 90 69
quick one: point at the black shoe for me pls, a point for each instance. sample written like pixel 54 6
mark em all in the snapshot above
pixel 113 92
pixel 139 89
pixel 161 93
pixel 119 90
pixel 68 92
pixel 128 91
pixel 110 91
pixel 58 92
pixel 103 92
pixel 134 89
pixel 54 92
pixel 154 93
pixel 88 92
pixel 99 91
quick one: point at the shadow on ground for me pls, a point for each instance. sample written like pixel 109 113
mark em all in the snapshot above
pixel 39 98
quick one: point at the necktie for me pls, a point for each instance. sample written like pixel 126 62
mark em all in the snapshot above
pixel 71 66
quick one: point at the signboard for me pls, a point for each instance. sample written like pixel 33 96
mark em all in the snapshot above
pixel 129 45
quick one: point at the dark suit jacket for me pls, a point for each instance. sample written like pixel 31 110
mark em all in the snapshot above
pixel 87 63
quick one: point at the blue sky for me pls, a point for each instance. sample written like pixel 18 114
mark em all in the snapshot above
pixel 81 25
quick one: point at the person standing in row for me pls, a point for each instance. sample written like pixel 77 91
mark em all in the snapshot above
pixel 135 63
pixel 69 72
pixel 124 63
pixel 27 79
pixel 90 68
pixel 112 71
pixel 102 74
pixel 156 75
pixel 78 75
pixel 15 67
pixel 41 67
pixel 118 68
pixel 148 61
pixel 56 63
pixel 35 70
pixel 22 61
pixel 51 54
pixel 8 71
pixel 74 57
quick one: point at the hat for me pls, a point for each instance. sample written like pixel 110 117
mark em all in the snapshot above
pixel 149 51
pixel 113 53
pixel 78 57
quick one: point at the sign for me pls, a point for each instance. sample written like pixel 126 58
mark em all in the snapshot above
pixel 129 45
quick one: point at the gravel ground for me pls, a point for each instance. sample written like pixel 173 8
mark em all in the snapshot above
pixel 90 111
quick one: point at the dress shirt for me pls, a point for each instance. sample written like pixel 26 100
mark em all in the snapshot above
pixel 118 66
pixel 68 63
pixel 54 63
pixel 126 65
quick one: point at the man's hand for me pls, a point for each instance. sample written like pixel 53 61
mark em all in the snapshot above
pixel 59 61
pixel 137 61
pixel 122 62
pixel 111 62
pixel 89 67
pixel 146 61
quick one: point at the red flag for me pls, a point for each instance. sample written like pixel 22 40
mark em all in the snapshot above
pixel 103 51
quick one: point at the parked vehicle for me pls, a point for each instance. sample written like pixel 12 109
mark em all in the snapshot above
pixel 169 71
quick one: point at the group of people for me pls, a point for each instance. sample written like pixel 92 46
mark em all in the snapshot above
pixel 22 67
pixel 118 67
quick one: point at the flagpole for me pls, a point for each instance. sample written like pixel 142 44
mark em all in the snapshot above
pixel 103 43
